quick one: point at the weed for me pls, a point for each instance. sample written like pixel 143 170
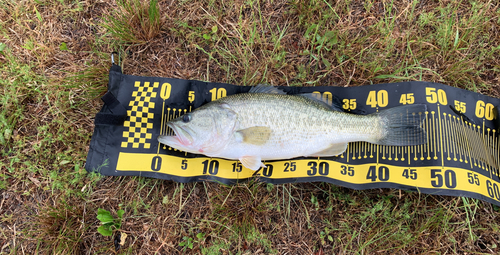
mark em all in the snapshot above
pixel 11 94
pixel 325 234
pixel 189 242
pixel 135 21
pixel 108 222
pixel 61 228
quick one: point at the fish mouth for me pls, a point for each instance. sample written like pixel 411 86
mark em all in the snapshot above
pixel 181 137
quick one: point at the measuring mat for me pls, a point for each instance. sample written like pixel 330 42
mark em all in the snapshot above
pixel 460 158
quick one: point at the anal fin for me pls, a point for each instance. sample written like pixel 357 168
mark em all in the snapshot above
pixel 334 150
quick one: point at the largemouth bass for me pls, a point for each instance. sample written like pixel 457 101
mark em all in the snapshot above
pixel 268 124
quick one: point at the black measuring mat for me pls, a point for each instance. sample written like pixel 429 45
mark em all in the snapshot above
pixel 460 158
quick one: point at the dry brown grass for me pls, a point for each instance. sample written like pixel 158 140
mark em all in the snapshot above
pixel 49 203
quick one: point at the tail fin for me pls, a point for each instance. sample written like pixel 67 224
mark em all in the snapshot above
pixel 402 125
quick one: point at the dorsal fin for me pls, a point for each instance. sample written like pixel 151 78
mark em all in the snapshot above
pixel 336 103
pixel 268 89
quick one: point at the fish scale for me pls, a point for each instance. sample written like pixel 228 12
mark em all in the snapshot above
pixel 298 117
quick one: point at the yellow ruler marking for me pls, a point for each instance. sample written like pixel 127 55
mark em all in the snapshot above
pixel 441 136
pixel 185 153
pixel 454 133
pixel 161 125
pixel 474 144
pixel 354 151
pixel 360 149
pixel 167 131
pixel 366 149
pixel 459 142
pixel 487 144
pixel 452 137
pixel 491 139
pixel 351 152
pixel 484 149
pixel 408 153
pixel 449 137
pixel 488 149
pixel 348 152
pixel 445 137
pixel 466 143
pixel 479 146
pixel 429 139
pixel 378 152
pixel 394 153
pixel 484 157
pixel 496 153
pixel 397 151
pixel 463 142
pixel 422 146
pixel 415 150
pixel 495 149
pixel 403 152
pixel 469 145
pixel 434 134
pixel 479 155
pixel 363 149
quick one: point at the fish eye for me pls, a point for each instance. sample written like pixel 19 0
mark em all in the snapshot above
pixel 186 118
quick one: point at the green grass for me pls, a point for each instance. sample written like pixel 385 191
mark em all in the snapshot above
pixel 134 21
pixel 54 58
pixel 10 112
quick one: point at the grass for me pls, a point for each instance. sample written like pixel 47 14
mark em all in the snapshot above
pixel 54 57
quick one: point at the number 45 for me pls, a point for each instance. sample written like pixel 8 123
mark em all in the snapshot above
pixel 407 99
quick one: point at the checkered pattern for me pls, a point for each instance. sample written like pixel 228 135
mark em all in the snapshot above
pixel 140 118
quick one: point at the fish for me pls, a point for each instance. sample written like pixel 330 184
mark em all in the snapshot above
pixel 268 124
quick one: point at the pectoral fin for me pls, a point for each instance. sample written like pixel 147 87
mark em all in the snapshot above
pixel 334 150
pixel 255 135
pixel 252 162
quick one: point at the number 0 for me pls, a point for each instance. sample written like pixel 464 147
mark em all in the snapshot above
pixel 166 88
pixel 156 163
